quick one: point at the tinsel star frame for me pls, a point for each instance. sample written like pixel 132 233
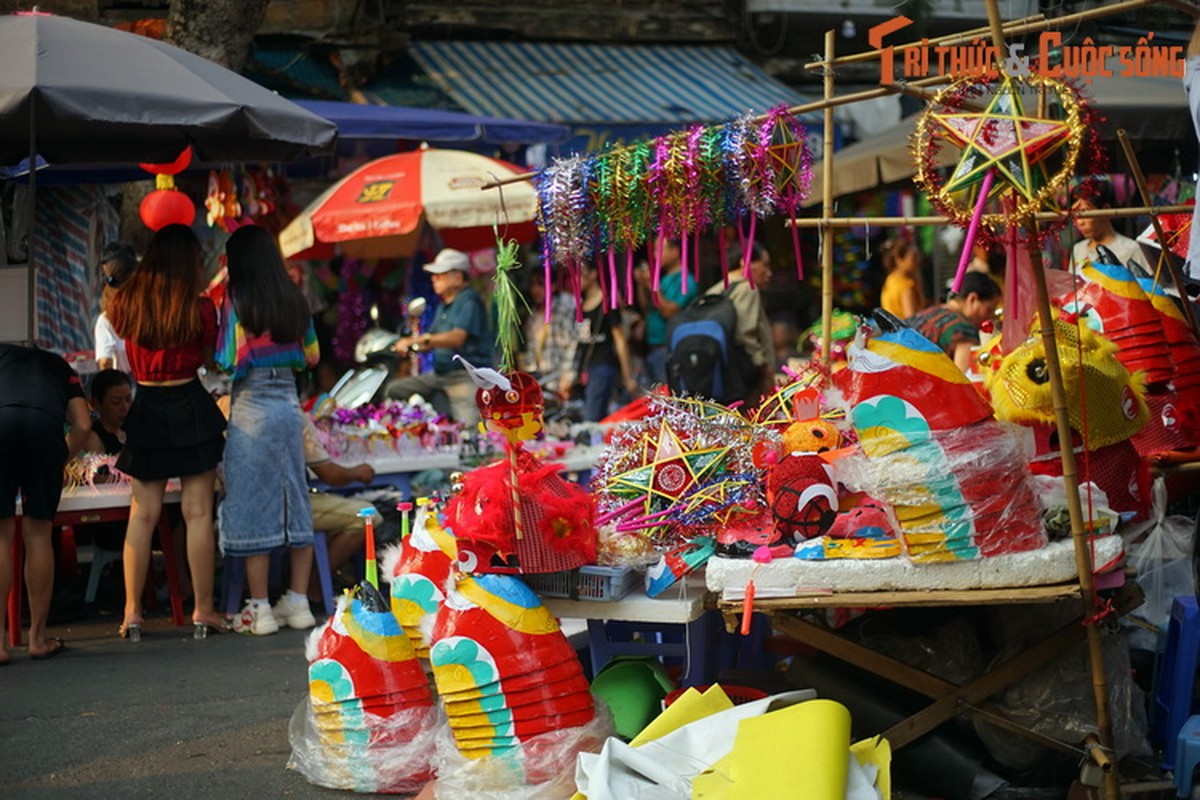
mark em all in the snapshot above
pixel 1024 160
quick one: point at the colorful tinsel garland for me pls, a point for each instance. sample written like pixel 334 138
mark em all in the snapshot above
pixel 594 208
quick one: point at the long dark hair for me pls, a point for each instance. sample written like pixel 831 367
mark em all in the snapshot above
pixel 158 306
pixel 264 296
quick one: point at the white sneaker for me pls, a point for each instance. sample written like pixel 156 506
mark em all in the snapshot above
pixel 255 620
pixel 295 613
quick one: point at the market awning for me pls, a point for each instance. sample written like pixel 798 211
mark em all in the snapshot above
pixel 585 85
pixel 356 121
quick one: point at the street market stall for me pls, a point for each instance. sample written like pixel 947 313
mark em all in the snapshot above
pixel 890 481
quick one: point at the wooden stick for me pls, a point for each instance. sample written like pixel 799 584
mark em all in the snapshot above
pixel 816 105
pixel 933 219
pixel 515 474
pixel 1135 167
pixel 1083 556
pixel 827 212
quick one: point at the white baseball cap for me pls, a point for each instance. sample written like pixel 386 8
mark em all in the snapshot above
pixel 447 260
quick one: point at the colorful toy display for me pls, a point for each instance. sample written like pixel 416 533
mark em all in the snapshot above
pixel 931 449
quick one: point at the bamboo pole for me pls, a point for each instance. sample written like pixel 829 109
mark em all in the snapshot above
pixel 1014 27
pixel 805 108
pixel 1033 24
pixel 1083 556
pixel 1135 167
pixel 827 210
pixel 936 219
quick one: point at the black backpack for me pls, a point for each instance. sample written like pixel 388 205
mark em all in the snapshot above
pixel 703 357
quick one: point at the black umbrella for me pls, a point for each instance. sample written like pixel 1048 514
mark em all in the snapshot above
pixel 85 93
pixel 75 92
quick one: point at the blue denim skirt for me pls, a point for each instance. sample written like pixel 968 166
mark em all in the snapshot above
pixel 266 488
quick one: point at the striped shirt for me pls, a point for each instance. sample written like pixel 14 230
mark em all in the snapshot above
pixel 238 350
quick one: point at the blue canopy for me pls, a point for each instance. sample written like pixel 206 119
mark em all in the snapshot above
pixel 357 124
pixel 359 121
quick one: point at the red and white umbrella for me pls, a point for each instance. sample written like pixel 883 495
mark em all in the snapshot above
pixel 376 211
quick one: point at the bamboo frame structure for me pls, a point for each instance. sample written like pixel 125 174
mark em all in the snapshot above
pixel 935 219
pixel 1135 168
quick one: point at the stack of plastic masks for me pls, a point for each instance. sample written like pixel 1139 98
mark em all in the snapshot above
pixel 503 668
pixel 932 450
pixel 1112 303
pixel 1104 404
pixel 370 719
pixel 419 567
pixel 1185 353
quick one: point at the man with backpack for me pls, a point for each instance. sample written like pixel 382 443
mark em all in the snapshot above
pixel 721 345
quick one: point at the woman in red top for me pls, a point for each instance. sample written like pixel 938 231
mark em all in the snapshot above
pixel 174 428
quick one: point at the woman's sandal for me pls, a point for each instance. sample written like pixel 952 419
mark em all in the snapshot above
pixel 58 647
pixel 131 631
pixel 200 628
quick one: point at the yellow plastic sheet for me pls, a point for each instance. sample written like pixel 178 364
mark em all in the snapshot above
pixel 798 751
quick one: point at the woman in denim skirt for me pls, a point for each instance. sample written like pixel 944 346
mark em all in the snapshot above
pixel 266 336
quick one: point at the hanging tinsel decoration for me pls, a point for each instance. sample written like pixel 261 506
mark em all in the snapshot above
pixel 671 187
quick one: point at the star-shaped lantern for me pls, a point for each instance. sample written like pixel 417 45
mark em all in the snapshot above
pixel 668 470
pixel 1005 139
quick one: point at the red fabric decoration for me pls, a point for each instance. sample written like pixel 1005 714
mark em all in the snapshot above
pixel 558 520
pixel 173 167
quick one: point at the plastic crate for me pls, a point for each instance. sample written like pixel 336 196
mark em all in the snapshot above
pixel 589 582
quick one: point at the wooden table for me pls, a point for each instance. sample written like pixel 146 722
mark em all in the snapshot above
pixel 949 699
pixel 88 505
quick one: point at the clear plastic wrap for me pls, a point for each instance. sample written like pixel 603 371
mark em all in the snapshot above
pixel 541 768
pixel 1057 700
pixel 1161 553
pixel 392 755
pixel 957 494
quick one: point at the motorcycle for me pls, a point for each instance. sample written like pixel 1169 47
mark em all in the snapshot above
pixel 377 361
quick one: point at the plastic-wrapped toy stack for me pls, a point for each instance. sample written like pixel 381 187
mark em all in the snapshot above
pixel 1111 302
pixel 503 668
pixel 419 567
pixel 369 723
pixel 956 479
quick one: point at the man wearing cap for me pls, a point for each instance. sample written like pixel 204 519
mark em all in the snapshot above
pixel 461 326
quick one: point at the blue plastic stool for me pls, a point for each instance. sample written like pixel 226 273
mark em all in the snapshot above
pixel 666 640
pixel 233 578
pixel 1176 684
pixel 1187 756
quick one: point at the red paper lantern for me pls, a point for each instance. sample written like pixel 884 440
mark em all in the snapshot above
pixel 164 207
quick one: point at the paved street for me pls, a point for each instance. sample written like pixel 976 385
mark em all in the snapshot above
pixel 168 716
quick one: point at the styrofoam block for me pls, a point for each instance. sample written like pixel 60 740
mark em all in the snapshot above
pixel 1054 563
